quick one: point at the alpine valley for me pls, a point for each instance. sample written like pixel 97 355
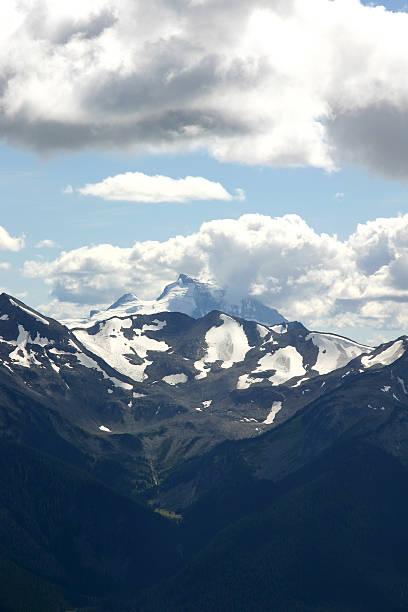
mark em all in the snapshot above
pixel 195 454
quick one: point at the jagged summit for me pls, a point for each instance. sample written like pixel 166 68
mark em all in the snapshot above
pixel 187 282
pixel 189 296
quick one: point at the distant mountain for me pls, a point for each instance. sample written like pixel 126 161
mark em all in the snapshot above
pixel 190 297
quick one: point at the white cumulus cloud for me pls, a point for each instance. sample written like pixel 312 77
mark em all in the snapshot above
pixel 270 82
pixel 8 243
pixel 315 278
pixel 139 187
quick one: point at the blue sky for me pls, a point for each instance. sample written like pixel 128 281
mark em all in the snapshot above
pixel 323 156
pixel 32 199
pixel 392 5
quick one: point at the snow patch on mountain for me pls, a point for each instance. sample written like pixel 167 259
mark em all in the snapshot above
pixel 227 343
pixel 279 329
pixel 119 350
pixel 155 325
pixel 386 357
pixel 262 331
pixel 54 366
pixel 287 363
pixel 246 380
pixel 334 352
pixel 21 354
pixel 276 407
pixel 24 338
pixel 175 379
pixel 90 363
pixel 301 381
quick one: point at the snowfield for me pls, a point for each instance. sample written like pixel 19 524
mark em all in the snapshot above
pixel 386 357
pixel 287 363
pixel 113 346
pixel 227 343
pixel 334 352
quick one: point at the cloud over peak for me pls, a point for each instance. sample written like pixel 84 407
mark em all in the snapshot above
pixel 281 83
pixel 139 187
pixel 312 277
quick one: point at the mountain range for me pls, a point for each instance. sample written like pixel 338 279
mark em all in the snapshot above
pixel 164 461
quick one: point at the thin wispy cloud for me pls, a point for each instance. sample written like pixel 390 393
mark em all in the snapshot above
pixel 139 187
pixel 47 244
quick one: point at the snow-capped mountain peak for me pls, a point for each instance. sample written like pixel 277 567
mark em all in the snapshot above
pixel 183 281
pixel 124 301
pixel 191 297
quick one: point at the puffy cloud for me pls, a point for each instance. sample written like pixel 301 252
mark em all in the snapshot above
pixel 5 265
pixel 278 82
pixel 8 243
pixel 47 244
pixel 315 278
pixel 139 187
pixel 67 190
